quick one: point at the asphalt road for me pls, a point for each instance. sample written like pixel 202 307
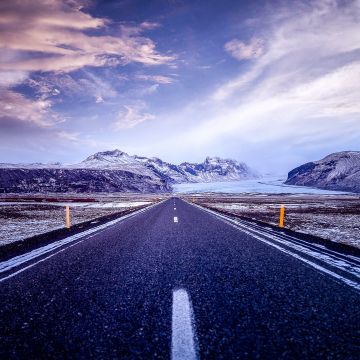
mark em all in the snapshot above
pixel 149 287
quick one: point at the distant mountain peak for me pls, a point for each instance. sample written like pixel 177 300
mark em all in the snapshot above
pixel 115 152
pixel 102 155
pixel 215 158
pixel 341 155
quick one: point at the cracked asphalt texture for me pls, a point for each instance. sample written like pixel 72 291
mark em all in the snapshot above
pixel 109 297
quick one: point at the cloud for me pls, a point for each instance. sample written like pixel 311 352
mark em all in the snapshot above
pixel 241 51
pixel 69 136
pixel 132 116
pixel 12 78
pixel 159 79
pixel 42 42
pixel 301 93
pixel 58 30
pixel 21 109
pixel 335 94
pixel 224 91
pixel 88 85
pixel 31 125
pixel 130 30
pixel 99 99
pixel 149 25
pixel 149 90
pixel 303 43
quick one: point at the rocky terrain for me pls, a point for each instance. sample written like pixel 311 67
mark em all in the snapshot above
pixel 77 180
pixel 338 171
pixel 116 171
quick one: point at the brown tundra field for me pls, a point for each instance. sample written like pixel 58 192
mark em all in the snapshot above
pixel 332 217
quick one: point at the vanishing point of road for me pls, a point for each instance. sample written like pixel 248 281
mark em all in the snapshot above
pixel 175 281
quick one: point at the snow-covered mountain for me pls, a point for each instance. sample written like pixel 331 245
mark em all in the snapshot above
pixel 212 169
pixel 169 172
pixel 217 169
pixel 114 160
pixel 338 171
pixel 112 171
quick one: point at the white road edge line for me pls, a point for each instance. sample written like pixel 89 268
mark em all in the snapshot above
pixel 330 260
pixel 183 335
pixel 351 260
pixel 176 219
pixel 21 259
pixel 348 282
pixel 41 260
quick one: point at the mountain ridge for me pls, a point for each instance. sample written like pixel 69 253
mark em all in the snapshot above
pixel 337 171
pixel 110 166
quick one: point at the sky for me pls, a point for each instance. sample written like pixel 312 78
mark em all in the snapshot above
pixel 272 83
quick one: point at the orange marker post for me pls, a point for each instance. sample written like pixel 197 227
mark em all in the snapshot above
pixel 282 216
pixel 68 216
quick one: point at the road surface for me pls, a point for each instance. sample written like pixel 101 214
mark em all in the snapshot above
pixel 177 282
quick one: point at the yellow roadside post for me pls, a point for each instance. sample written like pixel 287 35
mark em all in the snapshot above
pixel 68 216
pixel 282 216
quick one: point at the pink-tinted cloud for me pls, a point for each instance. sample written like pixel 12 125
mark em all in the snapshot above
pixel 242 51
pixel 132 116
pixel 21 109
pixel 159 79
pixel 12 78
pixel 88 84
pixel 56 30
pixel 53 36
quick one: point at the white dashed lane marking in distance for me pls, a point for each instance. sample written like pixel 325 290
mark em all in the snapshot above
pixel 183 335
pixel 176 219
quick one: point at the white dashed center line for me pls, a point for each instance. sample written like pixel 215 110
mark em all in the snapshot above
pixel 176 219
pixel 183 336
